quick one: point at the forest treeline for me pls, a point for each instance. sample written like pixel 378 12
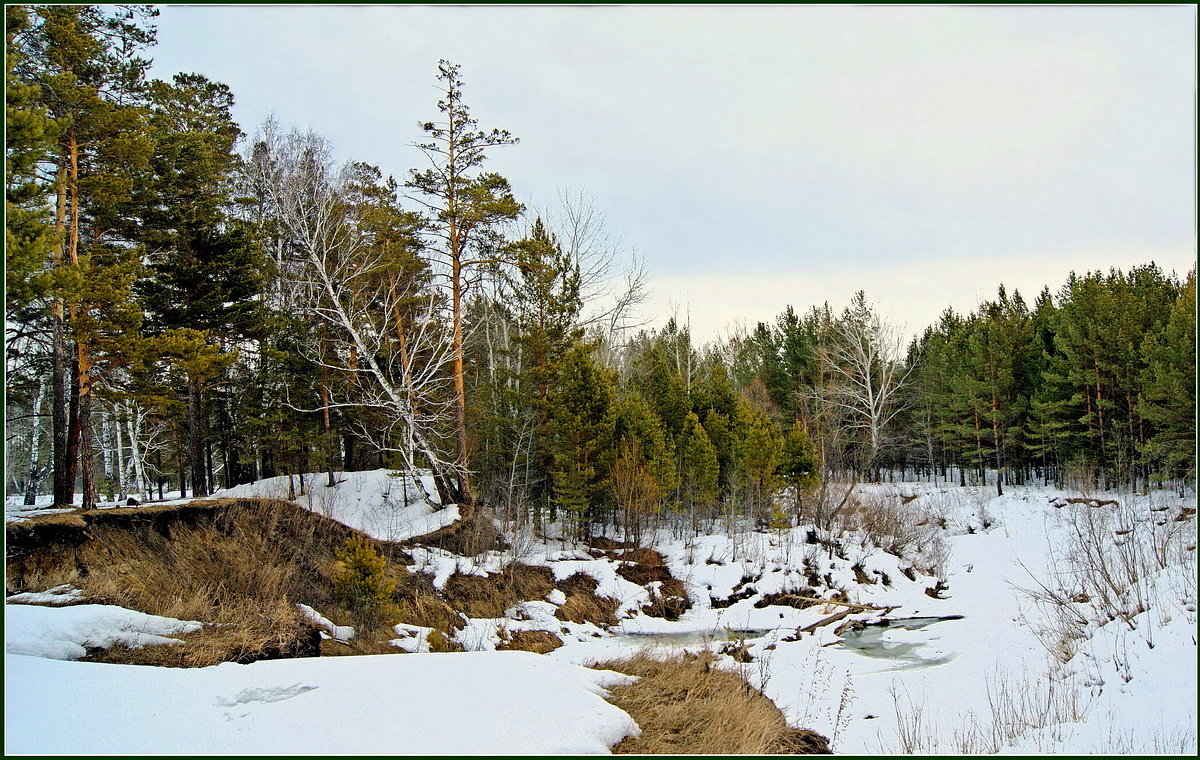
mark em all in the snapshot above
pixel 189 308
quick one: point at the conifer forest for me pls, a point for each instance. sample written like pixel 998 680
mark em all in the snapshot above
pixel 191 307
pixel 269 401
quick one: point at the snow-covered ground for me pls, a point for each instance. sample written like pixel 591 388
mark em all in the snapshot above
pixel 464 703
pixel 984 663
pixel 384 504
pixel 982 682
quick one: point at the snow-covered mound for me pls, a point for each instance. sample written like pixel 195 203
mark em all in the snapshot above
pixel 63 633
pixel 404 704
pixel 384 504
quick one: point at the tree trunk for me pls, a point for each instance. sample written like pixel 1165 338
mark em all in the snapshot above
pixel 328 430
pixel 465 493
pixel 195 425
pixel 118 478
pixel 58 339
pixel 72 241
pixel 72 469
pixel 87 455
pixel 182 469
pixel 34 476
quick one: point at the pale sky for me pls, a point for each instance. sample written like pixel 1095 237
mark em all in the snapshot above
pixel 758 156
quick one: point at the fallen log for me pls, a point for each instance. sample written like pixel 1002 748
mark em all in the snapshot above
pixel 852 605
pixel 826 621
pixel 1092 502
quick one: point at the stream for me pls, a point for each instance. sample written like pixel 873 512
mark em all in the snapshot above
pixel 876 641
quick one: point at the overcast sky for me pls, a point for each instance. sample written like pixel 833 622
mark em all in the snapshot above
pixel 761 156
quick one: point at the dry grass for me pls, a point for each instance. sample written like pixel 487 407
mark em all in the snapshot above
pixel 583 605
pixel 687 706
pixel 488 597
pixel 239 565
pixel 539 642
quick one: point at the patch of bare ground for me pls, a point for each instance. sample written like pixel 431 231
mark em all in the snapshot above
pixel 686 706
pixel 583 605
pixel 669 598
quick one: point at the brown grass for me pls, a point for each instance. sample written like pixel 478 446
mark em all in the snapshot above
pixel 686 706
pixel 540 642
pixel 583 605
pixel 239 565
pixel 488 597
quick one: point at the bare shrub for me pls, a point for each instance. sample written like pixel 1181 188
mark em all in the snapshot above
pixel 911 531
pixel 1018 704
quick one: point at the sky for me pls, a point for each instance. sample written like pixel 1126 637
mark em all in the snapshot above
pixel 761 156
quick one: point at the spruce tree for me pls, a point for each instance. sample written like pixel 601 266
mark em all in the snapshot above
pixel 698 471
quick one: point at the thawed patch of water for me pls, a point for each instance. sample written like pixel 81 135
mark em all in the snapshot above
pixel 914 652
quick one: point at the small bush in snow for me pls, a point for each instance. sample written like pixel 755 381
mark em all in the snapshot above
pixel 363 586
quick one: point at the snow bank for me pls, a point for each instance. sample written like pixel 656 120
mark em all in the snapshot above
pixel 341 633
pixel 381 503
pixel 63 633
pixel 404 704
pixel 58 596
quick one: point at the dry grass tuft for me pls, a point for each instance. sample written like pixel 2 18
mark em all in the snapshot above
pixel 583 605
pixel 488 597
pixel 539 642
pixel 239 565
pixel 687 706
pixel 421 605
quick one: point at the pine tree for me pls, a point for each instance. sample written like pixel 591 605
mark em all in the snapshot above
pixel 466 207
pixel 799 464
pixel 581 436
pixel 206 275
pixel 1169 400
pixel 758 451
pixel 84 61
pixel 698 471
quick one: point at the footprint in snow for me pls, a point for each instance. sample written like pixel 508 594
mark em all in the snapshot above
pixel 265 694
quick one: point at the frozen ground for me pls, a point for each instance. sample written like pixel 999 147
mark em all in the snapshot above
pixel 985 668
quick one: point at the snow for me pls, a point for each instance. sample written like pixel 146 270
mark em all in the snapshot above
pixel 341 633
pixel 411 638
pixel 442 564
pixel 409 704
pixel 64 633
pixel 1127 686
pixel 384 504
pixel 947 678
pixel 55 597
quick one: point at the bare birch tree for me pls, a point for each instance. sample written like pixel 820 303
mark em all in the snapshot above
pixel 865 367
pixel 333 273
